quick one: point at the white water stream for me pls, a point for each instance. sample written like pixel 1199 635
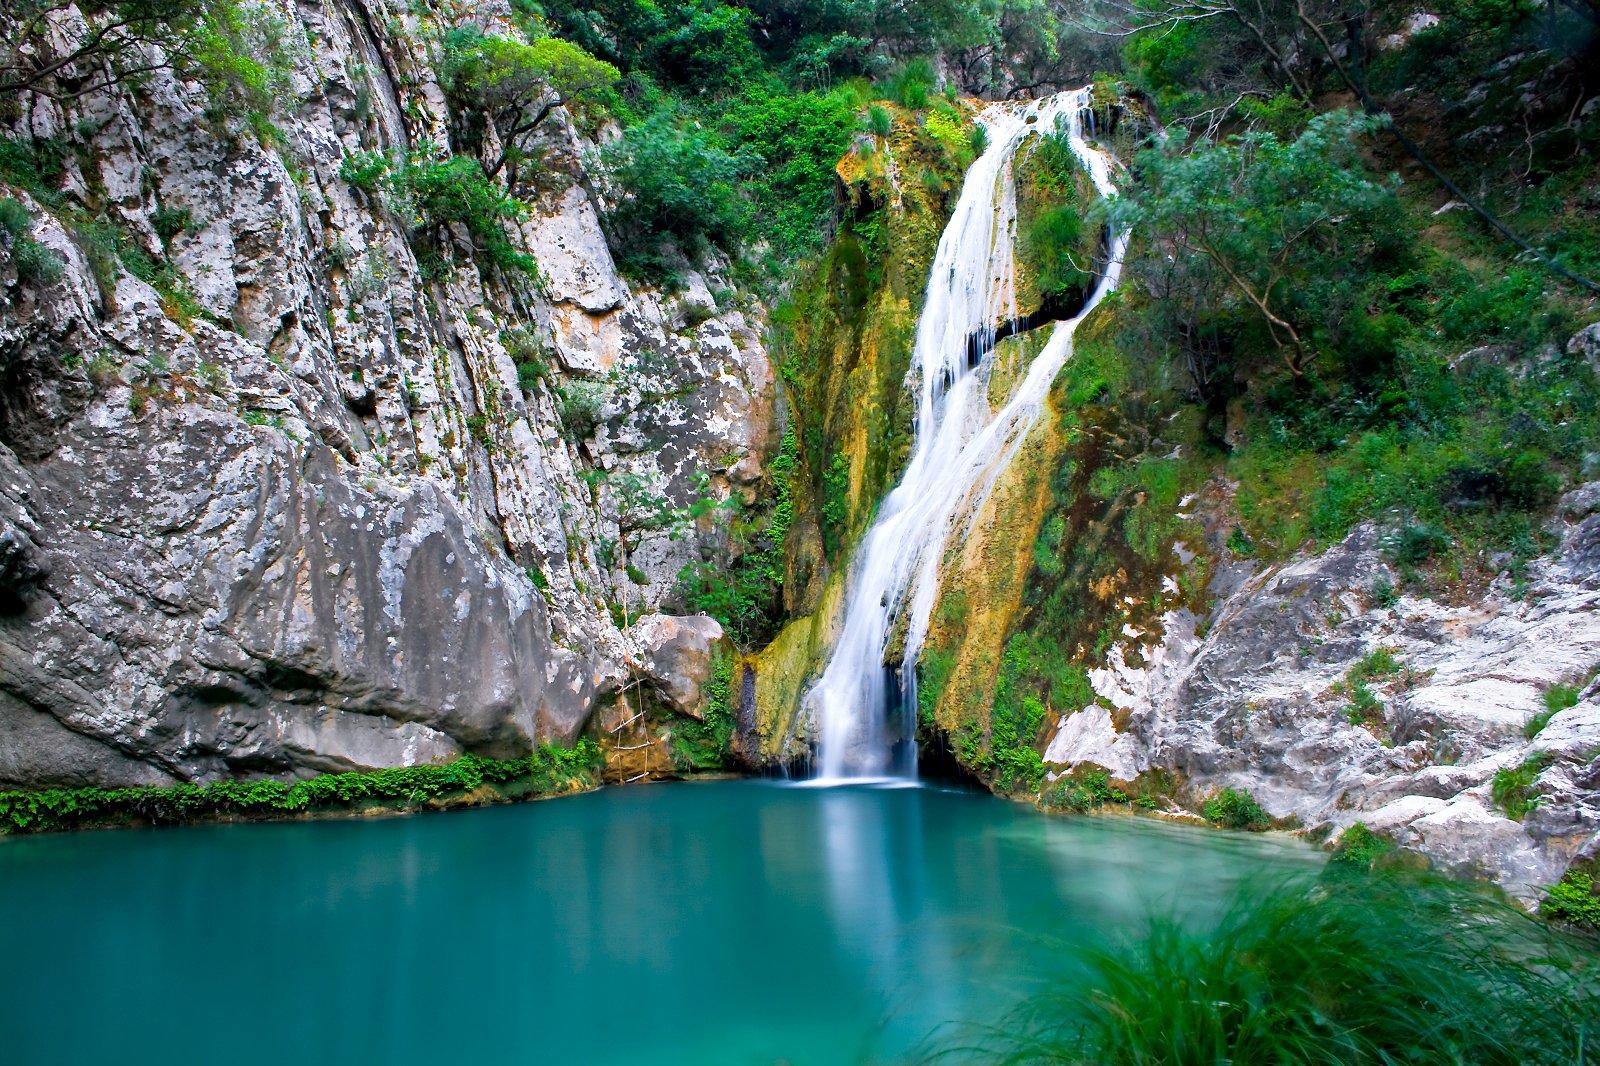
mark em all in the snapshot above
pixel 866 719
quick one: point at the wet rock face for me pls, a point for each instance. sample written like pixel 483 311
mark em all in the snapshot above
pixel 1262 701
pixel 308 517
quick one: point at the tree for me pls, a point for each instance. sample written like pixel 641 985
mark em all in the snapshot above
pixel 47 51
pixel 512 87
pixel 1278 220
pixel 678 185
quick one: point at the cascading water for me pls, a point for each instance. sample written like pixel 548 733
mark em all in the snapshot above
pixel 866 717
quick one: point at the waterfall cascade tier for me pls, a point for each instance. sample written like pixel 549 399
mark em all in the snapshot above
pixel 863 710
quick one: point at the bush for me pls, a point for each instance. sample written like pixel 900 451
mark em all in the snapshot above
pixel 579 406
pixel 1356 969
pixel 1574 900
pixel 680 189
pixel 910 84
pixel 35 263
pixel 1360 847
pixel 1084 789
pixel 1235 809
pixel 706 744
pixel 431 192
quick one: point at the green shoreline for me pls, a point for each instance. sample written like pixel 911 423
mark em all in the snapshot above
pixel 467 781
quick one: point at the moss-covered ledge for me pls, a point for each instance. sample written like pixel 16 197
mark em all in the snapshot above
pixel 467 781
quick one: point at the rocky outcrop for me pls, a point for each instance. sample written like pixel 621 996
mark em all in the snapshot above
pixel 286 504
pixel 1263 701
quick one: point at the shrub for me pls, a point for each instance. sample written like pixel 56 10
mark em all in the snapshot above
pixel 879 122
pixel 1512 786
pixel 1356 969
pixel 34 262
pixel 680 188
pixel 1235 809
pixel 170 221
pixel 579 406
pixel 705 744
pixel 910 84
pixel 431 192
pixel 1365 708
pixel 1084 789
pixel 1574 900
pixel 1360 847
pixel 512 87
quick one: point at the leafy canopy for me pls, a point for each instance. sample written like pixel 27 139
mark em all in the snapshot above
pixel 1269 217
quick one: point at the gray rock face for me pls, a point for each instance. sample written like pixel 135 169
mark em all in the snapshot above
pixel 676 657
pixel 1260 702
pixel 294 511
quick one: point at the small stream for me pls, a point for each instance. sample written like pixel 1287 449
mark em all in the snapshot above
pixel 726 922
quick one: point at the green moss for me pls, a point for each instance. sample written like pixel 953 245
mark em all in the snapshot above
pixel 547 770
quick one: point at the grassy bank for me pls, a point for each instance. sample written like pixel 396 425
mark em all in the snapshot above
pixel 466 781
pixel 1351 968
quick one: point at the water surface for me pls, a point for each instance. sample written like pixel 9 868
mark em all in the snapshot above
pixel 730 922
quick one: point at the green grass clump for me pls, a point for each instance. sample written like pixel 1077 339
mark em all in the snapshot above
pixel 1361 848
pixel 1351 969
pixel 1557 698
pixel 547 769
pixel 1235 809
pixel 1512 787
pixel 1574 900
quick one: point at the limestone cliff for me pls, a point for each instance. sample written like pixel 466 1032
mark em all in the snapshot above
pixel 292 500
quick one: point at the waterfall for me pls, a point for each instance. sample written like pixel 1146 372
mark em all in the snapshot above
pixel 866 718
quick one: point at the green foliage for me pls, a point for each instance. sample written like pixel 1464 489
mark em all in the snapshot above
pixel 1556 699
pixel 1361 848
pixel 512 86
pixel 910 84
pixel 1356 969
pixel 430 192
pixel 682 195
pixel 35 165
pixel 797 138
pixel 239 52
pixel 742 593
pixel 1574 900
pixel 1365 708
pixel 35 263
pixel 1378 663
pixel 579 406
pixel 706 745
pixel 1085 789
pixel 1235 809
pixel 1269 215
pixel 169 222
pixel 1512 788
pixel 547 769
